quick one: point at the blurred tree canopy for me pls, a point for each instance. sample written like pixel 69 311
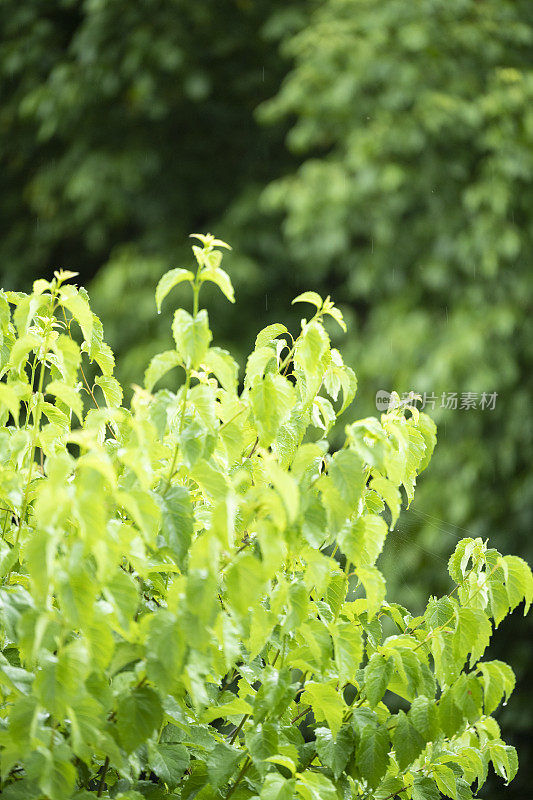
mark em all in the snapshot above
pixel 383 153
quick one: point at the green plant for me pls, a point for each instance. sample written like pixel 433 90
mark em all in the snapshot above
pixel 190 602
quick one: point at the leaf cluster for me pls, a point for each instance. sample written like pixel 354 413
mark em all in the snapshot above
pixel 190 602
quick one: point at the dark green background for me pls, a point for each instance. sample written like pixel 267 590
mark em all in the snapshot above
pixel 377 150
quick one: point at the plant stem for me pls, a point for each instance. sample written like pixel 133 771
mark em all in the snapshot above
pixel 301 714
pixel 36 418
pixel 196 294
pixel 102 777
pixel 239 777
pixel 238 729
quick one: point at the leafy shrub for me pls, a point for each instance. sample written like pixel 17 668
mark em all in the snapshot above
pixel 190 602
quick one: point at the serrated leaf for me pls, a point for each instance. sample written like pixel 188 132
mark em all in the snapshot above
pixel 423 714
pixel 444 777
pixel 269 334
pixel 272 400
pixel 309 297
pixel 335 751
pixel 504 760
pixel 80 309
pixel 139 714
pixel 221 278
pixel 372 753
pixel 170 279
pixel 222 763
pixel 111 388
pixel 276 787
pixel 378 673
pixel 169 761
pixel 192 336
pixel 519 582
pixel 315 786
pixel 326 703
pixel 11 396
pixel 223 366
pixel 337 316
pixel 159 366
pixel 498 681
pixel 348 476
pixel 348 649
pixel 375 588
pixel 361 540
pixel 390 494
pixel 67 395
pixel 424 788
pixel 176 522
pixel 407 741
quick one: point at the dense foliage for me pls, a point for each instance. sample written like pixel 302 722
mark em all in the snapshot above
pixel 190 600
pixel 413 201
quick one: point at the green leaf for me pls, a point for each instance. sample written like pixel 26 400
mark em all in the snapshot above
pixel 192 336
pixel 20 351
pixel 347 473
pixel 335 752
pixel 224 367
pixel 269 334
pixel 159 366
pixel 168 281
pixel 428 429
pixel 337 316
pixel 472 634
pixel 11 396
pixel 362 539
pixel 272 399
pixel 276 787
pixel 67 395
pixel 407 741
pixel 15 677
pixel 372 753
pixel 390 494
pixel 56 774
pixel 122 592
pixel 309 297
pixel 314 786
pixel 450 715
pixel 348 648
pixel 444 777
pixel 176 522
pixel 80 309
pixel 221 279
pixel 439 612
pixel 375 588
pixel 111 388
pixel 424 788
pixel 498 680
pixel 168 761
pixel 139 714
pixel 245 583
pixel 378 673
pixel 519 582
pixel 326 703
pixel 504 760
pixel 274 695
pixel 423 714
pixel 222 763
pixel 166 647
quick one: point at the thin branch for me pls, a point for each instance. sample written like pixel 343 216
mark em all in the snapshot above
pixel 239 777
pixel 303 713
pixel 102 777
